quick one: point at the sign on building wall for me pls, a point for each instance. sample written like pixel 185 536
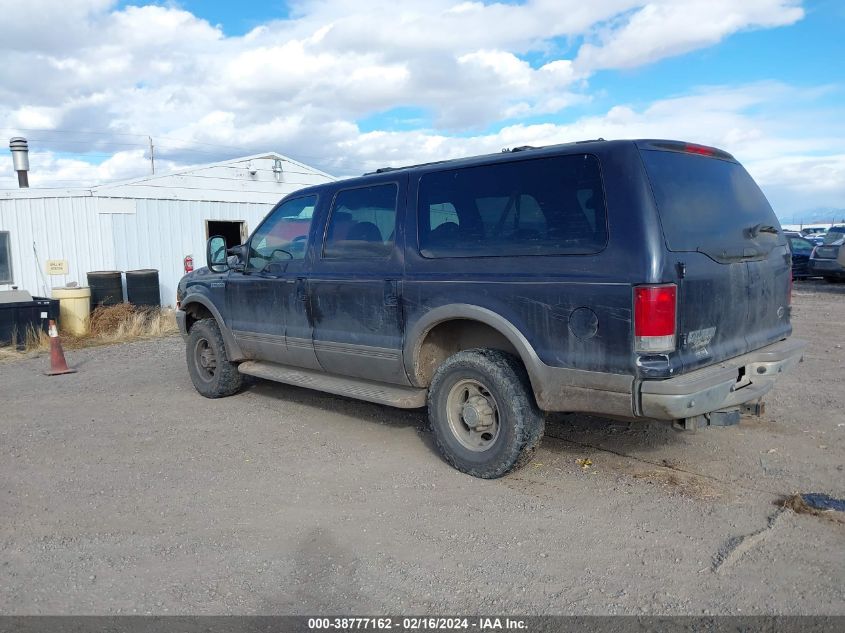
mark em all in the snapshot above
pixel 57 267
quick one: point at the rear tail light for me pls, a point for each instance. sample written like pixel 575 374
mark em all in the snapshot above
pixel 699 149
pixel 655 318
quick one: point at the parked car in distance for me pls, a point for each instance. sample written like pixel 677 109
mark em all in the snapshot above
pixel 834 234
pixel 801 248
pixel 824 261
pixel 632 279
pixel 813 230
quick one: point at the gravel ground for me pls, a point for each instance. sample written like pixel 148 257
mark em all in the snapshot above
pixel 123 491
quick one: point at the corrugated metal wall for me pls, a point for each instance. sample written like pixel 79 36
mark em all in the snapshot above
pixel 162 232
pixel 55 228
pixel 158 235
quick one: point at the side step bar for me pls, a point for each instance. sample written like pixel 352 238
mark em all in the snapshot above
pixel 379 392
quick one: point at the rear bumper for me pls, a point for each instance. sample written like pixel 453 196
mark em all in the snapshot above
pixel 719 386
pixel 827 267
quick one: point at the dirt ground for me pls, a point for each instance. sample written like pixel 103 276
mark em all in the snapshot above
pixel 123 491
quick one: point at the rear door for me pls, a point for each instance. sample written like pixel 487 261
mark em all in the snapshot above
pixel 355 283
pixel 732 259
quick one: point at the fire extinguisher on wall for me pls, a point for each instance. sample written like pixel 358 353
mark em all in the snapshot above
pixel 189 264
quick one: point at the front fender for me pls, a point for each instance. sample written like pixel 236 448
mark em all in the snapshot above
pixel 232 348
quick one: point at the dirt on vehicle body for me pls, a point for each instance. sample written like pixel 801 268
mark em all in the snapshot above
pixel 633 279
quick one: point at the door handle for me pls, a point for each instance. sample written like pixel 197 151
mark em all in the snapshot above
pixel 301 294
pixel 391 292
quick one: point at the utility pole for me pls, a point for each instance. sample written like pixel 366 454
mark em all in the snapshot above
pixel 152 156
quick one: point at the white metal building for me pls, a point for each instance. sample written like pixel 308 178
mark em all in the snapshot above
pixel 49 237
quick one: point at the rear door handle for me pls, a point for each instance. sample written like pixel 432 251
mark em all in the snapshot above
pixel 391 292
pixel 301 294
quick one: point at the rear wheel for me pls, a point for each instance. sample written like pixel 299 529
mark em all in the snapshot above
pixel 213 375
pixel 483 413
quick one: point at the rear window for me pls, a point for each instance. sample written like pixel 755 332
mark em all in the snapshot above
pixel 546 206
pixel 710 205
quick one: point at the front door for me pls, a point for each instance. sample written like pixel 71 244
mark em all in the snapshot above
pixel 355 284
pixel 267 302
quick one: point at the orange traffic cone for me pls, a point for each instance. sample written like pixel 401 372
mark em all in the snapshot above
pixel 58 364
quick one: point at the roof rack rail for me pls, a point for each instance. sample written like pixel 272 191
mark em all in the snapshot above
pixel 590 140
pixel 383 170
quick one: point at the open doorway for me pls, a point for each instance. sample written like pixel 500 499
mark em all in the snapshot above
pixel 233 231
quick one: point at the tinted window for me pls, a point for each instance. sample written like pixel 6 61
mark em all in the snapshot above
pixel 283 235
pixel 362 223
pixel 709 204
pixel 548 206
pixel 5 259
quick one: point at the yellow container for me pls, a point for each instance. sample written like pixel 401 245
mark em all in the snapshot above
pixel 74 308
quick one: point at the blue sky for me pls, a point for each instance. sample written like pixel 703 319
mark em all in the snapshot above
pixel 349 85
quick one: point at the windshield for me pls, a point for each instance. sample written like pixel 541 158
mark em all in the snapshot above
pixel 710 205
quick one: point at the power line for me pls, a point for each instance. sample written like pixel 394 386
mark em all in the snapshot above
pixel 239 148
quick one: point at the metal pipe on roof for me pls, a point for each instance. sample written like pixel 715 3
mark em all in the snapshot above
pixel 20 159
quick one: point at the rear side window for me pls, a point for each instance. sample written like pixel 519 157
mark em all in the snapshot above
pixel 709 205
pixel 362 223
pixel 546 206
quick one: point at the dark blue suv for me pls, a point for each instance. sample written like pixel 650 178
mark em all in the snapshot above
pixel 632 279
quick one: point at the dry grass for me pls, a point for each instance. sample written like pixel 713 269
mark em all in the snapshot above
pixel 34 341
pixel 797 504
pixel 107 325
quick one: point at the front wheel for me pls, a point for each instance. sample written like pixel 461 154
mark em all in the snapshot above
pixel 213 375
pixel 482 410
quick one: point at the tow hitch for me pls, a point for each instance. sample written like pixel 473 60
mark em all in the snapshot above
pixel 715 418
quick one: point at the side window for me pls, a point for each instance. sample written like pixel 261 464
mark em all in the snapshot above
pixel 284 235
pixel 546 206
pixel 5 258
pixel 362 223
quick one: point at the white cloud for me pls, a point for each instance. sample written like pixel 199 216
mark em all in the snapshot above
pixel 300 85
pixel 663 28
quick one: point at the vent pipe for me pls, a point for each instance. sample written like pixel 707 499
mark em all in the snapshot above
pixel 20 159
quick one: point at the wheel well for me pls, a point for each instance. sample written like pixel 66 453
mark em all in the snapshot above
pixel 450 337
pixel 195 312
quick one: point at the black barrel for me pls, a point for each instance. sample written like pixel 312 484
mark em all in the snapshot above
pixel 142 287
pixel 106 288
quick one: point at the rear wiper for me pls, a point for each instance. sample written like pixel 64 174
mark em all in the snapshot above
pixel 755 230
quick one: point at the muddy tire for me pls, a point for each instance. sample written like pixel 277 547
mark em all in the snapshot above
pixel 483 414
pixel 213 375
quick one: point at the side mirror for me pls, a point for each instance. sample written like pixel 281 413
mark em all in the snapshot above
pixel 215 254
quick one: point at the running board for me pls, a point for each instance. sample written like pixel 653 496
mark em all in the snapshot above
pixel 379 392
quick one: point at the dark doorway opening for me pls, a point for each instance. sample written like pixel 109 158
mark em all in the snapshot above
pixel 233 231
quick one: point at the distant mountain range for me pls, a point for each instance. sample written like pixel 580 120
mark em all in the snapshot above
pixel 814 216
